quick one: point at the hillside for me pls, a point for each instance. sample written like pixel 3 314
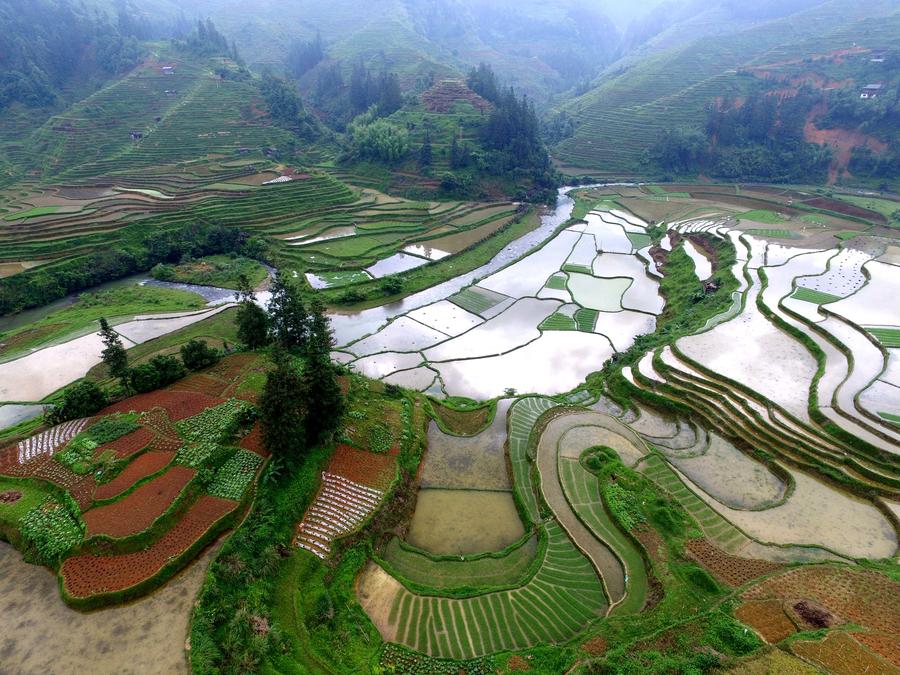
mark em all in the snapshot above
pixel 619 120
pixel 172 107
pixel 538 48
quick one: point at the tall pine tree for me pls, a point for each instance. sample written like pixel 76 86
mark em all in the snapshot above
pixel 282 409
pixel 252 321
pixel 290 321
pixel 324 401
pixel 321 337
pixel 114 355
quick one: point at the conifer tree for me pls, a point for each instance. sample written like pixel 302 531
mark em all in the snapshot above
pixel 321 337
pixel 426 154
pixel 282 407
pixel 290 321
pixel 252 322
pixel 321 391
pixel 114 355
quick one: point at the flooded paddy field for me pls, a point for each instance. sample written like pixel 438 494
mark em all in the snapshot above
pixel 498 325
pixel 516 506
pixel 42 634
pixel 464 522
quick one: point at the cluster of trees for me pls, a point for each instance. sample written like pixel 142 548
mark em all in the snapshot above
pixel 341 102
pixel 44 42
pixel 511 136
pixel 304 56
pixel 301 404
pixel 286 108
pixel 206 40
pixel 367 90
pixel 759 140
pixel 39 287
pixel 85 398
pixel 378 139
pixel 159 371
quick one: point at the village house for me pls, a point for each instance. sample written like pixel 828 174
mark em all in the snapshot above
pixel 871 91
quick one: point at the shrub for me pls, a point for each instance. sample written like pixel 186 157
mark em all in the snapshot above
pixel 624 506
pixel 352 296
pixel 197 355
pixel 159 372
pixel 170 369
pixel 392 286
pixel 144 378
pixel 80 400
pixel 163 272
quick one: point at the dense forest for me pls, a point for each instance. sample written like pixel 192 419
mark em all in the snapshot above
pixel 44 43
pixel 757 139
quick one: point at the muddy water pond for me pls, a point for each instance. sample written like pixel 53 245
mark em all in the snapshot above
pixel 464 522
pixel 468 462
pixel 42 635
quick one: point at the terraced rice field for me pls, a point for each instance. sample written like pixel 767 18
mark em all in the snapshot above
pixel 555 605
pixel 452 573
pixel 521 313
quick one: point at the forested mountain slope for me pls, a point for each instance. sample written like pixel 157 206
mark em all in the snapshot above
pixel 618 124
pixel 539 48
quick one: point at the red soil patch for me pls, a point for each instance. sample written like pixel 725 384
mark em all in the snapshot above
pixel 127 445
pixel 136 512
pixel 46 468
pixel 200 384
pixel 808 614
pixel 842 142
pixel 254 441
pixel 767 618
pixel 344 383
pixel 845 208
pixel 158 420
pixel 80 487
pixel 10 497
pixel 726 568
pixel 886 646
pixel 88 575
pixel 178 405
pixel 841 654
pixel 145 465
pixel 517 664
pixel 231 367
pixel 367 468
pixel 165 444
pixel 595 646
pixel 859 596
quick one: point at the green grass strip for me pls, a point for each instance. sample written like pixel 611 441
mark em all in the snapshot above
pixel 888 337
pixel 813 296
